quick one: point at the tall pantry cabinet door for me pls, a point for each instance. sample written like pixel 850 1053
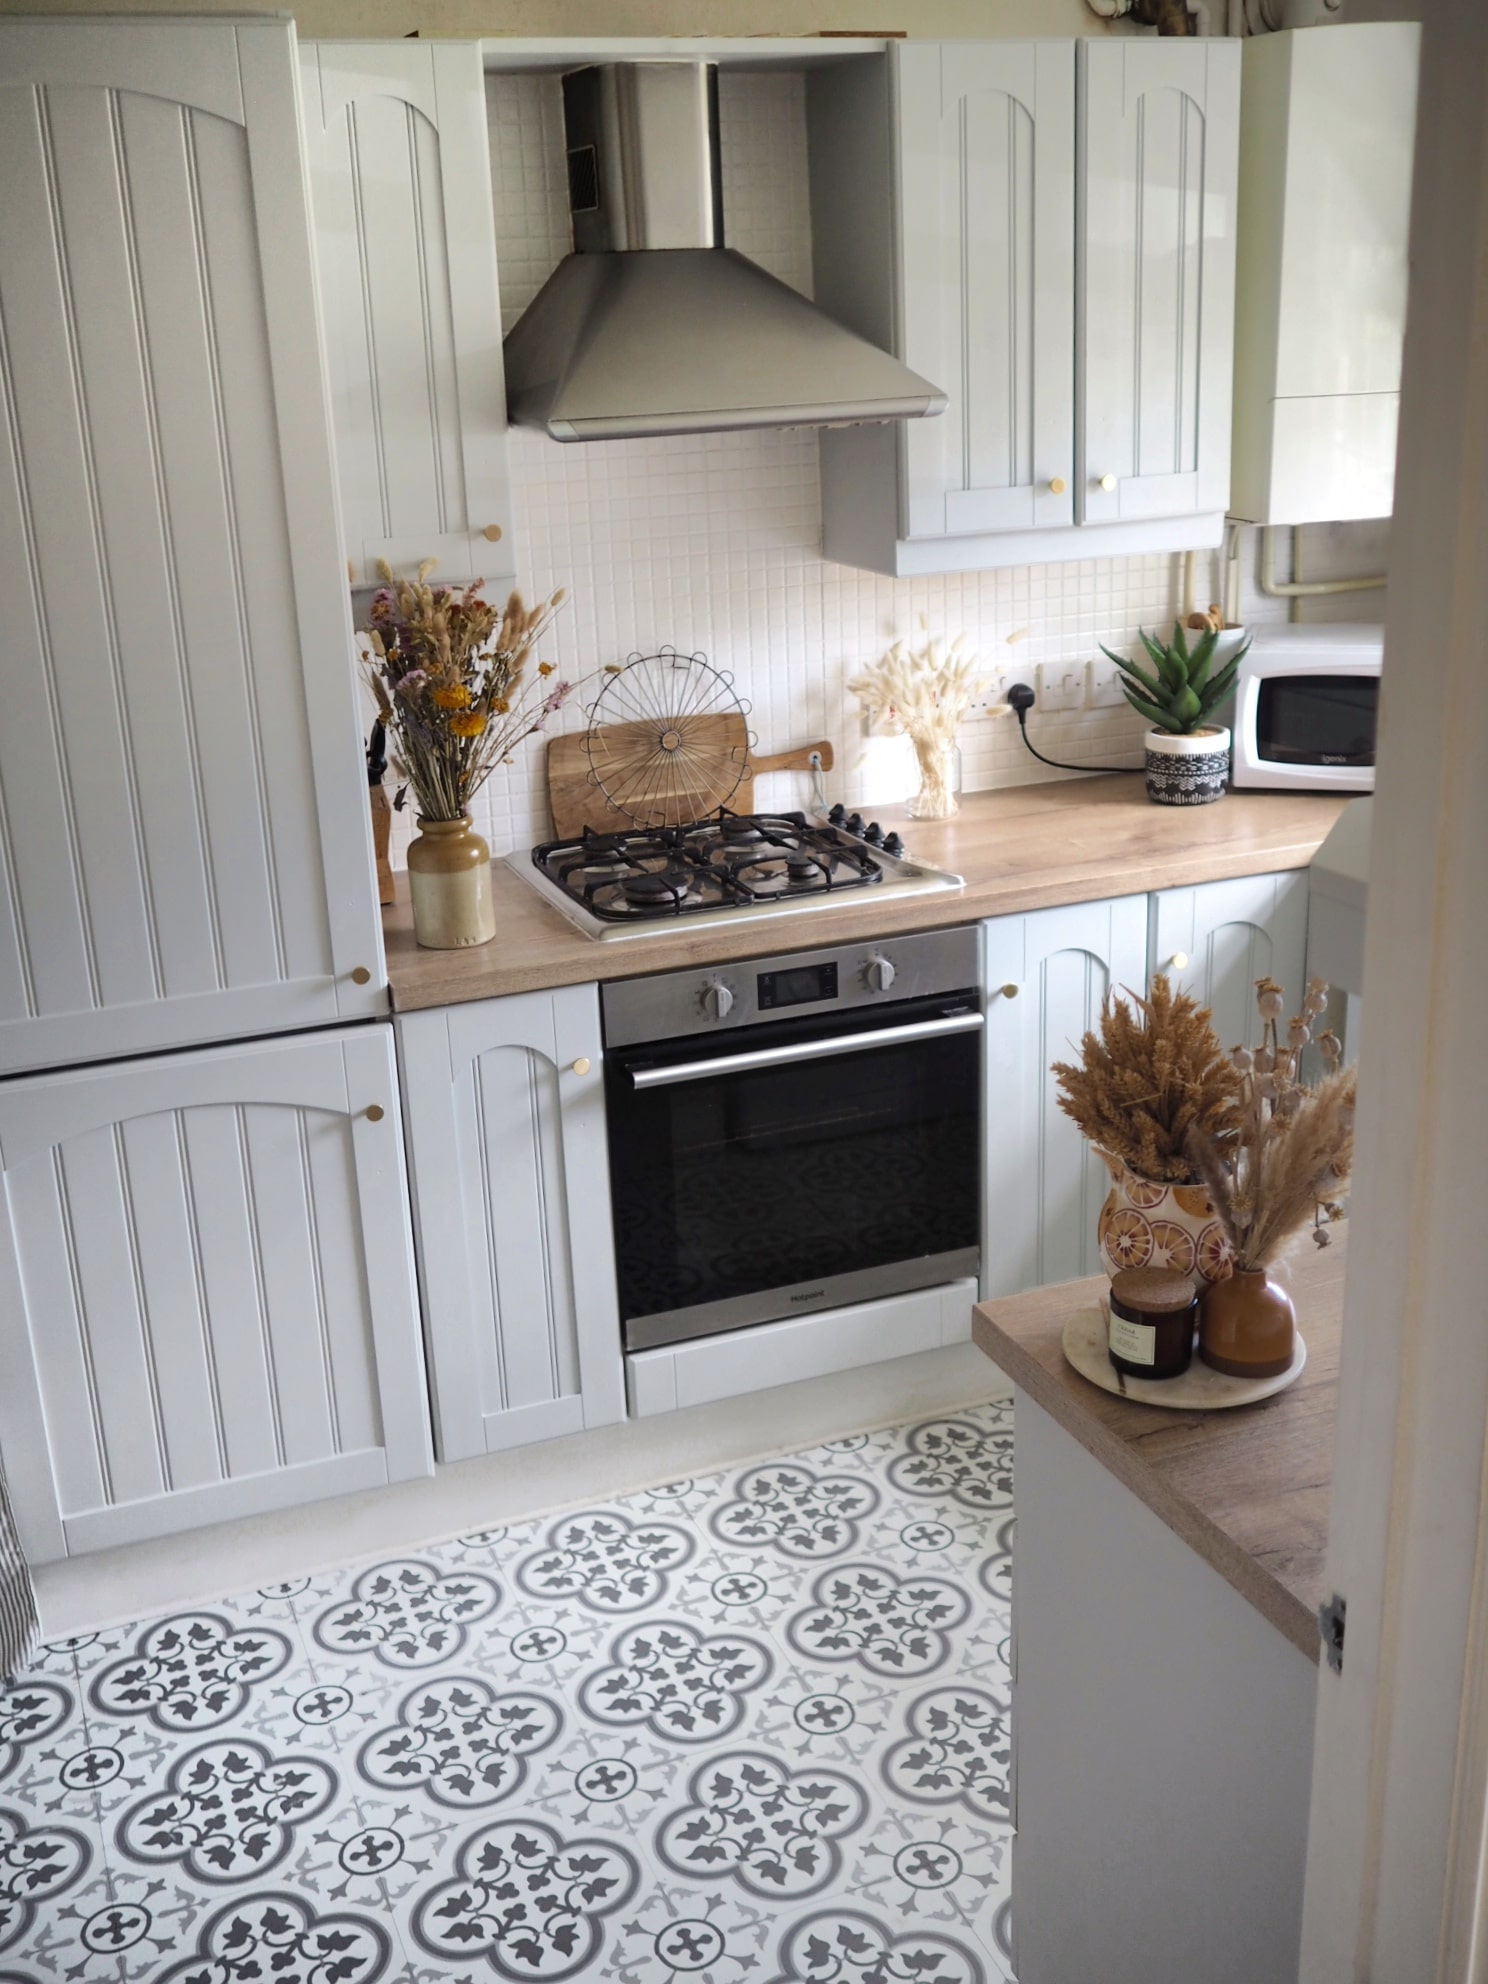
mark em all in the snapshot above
pixel 400 175
pixel 1046 975
pixel 207 1305
pixel 185 852
pixel 504 1100
pixel 986 229
pixel 1229 934
pixel 1158 158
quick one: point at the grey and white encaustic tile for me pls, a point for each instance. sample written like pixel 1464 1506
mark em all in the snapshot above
pixel 750 1729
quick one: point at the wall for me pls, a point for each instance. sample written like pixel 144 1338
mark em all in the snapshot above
pixel 710 543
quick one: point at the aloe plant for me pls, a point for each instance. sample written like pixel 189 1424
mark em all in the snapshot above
pixel 1183 693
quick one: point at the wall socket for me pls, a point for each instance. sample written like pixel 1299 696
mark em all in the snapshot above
pixel 1102 685
pixel 1059 685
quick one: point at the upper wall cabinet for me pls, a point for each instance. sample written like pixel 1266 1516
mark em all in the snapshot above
pixel 1159 140
pixel 185 852
pixel 401 182
pixel 1046 230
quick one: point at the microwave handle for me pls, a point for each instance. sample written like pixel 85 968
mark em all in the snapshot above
pixel 805 1050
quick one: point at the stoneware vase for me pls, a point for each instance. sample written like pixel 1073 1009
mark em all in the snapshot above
pixel 1143 1225
pixel 449 880
pixel 1247 1325
pixel 1187 771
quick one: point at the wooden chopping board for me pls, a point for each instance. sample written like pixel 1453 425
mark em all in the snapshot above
pixel 664 777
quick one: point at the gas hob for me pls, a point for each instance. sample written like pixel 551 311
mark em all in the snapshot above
pixel 721 869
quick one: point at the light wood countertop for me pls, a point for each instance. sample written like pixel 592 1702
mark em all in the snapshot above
pixel 1248 1489
pixel 1027 847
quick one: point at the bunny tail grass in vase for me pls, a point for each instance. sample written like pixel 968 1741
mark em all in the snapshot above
pixel 449 672
pixel 927 692
pixel 1285 1170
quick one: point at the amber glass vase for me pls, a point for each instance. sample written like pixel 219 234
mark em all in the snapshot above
pixel 449 880
pixel 1247 1325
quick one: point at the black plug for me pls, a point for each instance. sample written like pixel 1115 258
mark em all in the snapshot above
pixel 1020 698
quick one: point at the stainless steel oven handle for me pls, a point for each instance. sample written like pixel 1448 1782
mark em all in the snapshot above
pixel 806 1050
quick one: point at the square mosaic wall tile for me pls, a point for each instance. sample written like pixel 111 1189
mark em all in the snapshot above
pixel 749 1727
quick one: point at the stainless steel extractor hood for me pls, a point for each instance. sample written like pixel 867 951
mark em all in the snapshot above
pixel 652 326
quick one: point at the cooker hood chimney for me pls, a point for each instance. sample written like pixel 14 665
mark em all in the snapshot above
pixel 652 326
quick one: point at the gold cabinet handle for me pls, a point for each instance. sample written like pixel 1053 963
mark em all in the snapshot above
pixel 582 1065
pixel 1179 960
pixel 1108 483
pixel 492 533
pixel 374 1112
pixel 1008 991
pixel 361 976
pixel 1057 485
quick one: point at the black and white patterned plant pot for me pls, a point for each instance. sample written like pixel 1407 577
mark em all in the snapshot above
pixel 1187 771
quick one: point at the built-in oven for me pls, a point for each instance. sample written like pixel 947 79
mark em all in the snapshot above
pixel 793 1134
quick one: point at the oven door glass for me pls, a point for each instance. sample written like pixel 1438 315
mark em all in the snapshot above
pixel 772 1187
pixel 1317 719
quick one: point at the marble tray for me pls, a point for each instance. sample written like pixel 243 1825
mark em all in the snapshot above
pixel 1198 1390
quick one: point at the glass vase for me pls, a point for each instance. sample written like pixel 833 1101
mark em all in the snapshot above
pixel 939 796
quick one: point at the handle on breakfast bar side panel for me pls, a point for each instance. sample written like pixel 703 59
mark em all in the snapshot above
pixel 804 1050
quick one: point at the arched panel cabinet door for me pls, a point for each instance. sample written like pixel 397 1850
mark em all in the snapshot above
pixel 1159 158
pixel 400 176
pixel 1045 976
pixel 1228 935
pixel 207 1304
pixel 185 850
pixel 986 230
pixel 510 1172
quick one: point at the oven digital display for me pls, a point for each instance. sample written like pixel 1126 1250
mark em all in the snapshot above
pixel 804 985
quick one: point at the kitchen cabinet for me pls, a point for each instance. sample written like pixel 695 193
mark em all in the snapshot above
pixel 1047 231
pixel 504 1103
pixel 1214 941
pixel 1046 975
pixel 405 232
pixel 184 835
pixel 207 1303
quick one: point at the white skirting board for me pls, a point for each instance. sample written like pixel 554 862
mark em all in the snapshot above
pixel 750 1360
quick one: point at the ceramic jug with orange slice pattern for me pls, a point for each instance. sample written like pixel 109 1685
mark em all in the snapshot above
pixel 1146 1225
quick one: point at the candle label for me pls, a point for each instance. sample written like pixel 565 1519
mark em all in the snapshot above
pixel 1135 1342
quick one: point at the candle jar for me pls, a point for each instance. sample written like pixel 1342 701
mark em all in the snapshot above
pixel 1154 1312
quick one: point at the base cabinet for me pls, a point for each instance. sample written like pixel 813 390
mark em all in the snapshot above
pixel 1045 975
pixel 207 1303
pixel 504 1102
pixel 1216 940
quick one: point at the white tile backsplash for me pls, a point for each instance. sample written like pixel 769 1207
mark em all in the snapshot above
pixel 711 543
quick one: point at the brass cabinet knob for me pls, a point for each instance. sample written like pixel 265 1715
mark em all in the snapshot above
pixel 1179 960
pixel 492 533
pixel 582 1065
pixel 374 1112
pixel 1108 483
pixel 361 976
pixel 1008 991
pixel 1057 485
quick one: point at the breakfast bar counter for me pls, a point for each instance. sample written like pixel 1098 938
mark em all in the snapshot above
pixel 1023 848
pixel 1167 1570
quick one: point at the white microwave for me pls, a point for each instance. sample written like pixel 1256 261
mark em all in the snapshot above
pixel 1307 708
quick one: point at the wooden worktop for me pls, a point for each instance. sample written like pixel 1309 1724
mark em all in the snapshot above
pixel 1248 1489
pixel 1028 847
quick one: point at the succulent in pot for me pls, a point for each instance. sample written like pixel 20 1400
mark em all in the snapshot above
pixel 1188 755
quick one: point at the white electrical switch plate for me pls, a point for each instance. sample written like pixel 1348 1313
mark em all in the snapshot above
pixel 1102 685
pixel 1059 685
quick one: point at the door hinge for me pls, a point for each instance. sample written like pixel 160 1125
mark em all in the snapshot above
pixel 1332 1620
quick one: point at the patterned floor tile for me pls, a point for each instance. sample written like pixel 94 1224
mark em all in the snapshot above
pixel 749 1728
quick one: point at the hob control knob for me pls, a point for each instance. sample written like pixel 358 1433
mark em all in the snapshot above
pixel 837 815
pixel 879 973
pixel 893 844
pixel 717 999
pixel 873 833
pixel 854 823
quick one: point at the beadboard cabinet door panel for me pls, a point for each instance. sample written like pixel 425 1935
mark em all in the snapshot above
pixel 405 230
pixel 207 1305
pixel 986 227
pixel 1159 135
pixel 1229 934
pixel 1046 975
pixel 183 823
pixel 505 1112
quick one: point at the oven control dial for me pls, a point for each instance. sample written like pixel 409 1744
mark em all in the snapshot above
pixel 879 973
pixel 717 999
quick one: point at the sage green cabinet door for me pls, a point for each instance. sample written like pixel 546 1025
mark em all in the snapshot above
pixel 1217 939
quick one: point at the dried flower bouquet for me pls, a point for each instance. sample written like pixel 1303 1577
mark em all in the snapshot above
pixel 1290 1158
pixel 927 692
pixel 448 671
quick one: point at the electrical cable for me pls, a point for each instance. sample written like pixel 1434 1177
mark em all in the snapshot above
pixel 1020 698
